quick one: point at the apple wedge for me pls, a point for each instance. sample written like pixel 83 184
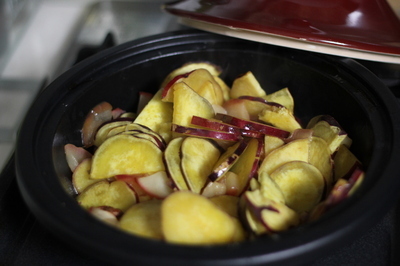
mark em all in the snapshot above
pixel 279 116
pixel 282 97
pixel 172 160
pixel 301 183
pixel 188 103
pixel 106 214
pixel 81 176
pixel 189 218
pixel 237 108
pixel 247 165
pixel 197 159
pixel 265 216
pixel 157 185
pixel 155 114
pixel 253 126
pixel 116 194
pixel 75 155
pixel 246 84
pixel 100 114
pixel 131 181
pixel 213 189
pixel 227 160
pixel 143 219
pixel 125 154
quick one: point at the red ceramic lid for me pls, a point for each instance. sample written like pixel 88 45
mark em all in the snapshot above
pixel 365 29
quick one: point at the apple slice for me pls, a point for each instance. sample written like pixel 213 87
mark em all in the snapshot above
pixel 100 114
pixel 296 150
pixel 189 218
pixel 213 189
pixel 157 185
pixel 282 97
pixel 143 219
pixel 227 160
pixel 206 133
pixel 265 216
pixel 253 126
pixel 75 155
pixel 102 132
pixel 155 114
pixel 328 129
pixel 197 159
pixel 280 117
pixel 116 194
pixel 125 154
pixel 188 103
pixel 173 163
pixel 237 108
pixel 144 99
pixel 81 176
pixel 301 183
pixel 246 84
pixel 131 181
pixel 247 164
pixel 106 214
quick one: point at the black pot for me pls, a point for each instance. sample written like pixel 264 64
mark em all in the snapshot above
pixel 320 85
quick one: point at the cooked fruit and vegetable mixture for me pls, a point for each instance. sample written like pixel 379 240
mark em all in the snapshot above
pixel 203 163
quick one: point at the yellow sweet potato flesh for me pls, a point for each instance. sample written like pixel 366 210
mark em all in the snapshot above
pixel 198 158
pixel 188 218
pixel 246 84
pixel 279 117
pixel 143 219
pixel 188 103
pixel 126 155
pixel 116 194
pixel 173 163
pixel 283 97
pixel 81 176
pixel 301 183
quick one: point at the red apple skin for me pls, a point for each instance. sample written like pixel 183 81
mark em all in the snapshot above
pixel 100 114
pixel 253 126
pixel 205 133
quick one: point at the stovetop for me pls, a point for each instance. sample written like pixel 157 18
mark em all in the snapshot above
pixel 24 241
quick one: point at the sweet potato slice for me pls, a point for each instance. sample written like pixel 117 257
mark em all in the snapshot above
pixel 319 155
pixel 247 165
pixel 283 97
pixel 296 150
pixel 246 84
pixel 301 183
pixel 172 160
pixel 344 162
pixel 102 132
pixel 155 114
pixel 143 219
pixel 280 117
pixel 188 103
pixel 269 188
pixel 81 176
pixel 189 218
pixel 227 203
pixel 333 135
pixel 126 155
pixel 198 157
pixel 116 194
